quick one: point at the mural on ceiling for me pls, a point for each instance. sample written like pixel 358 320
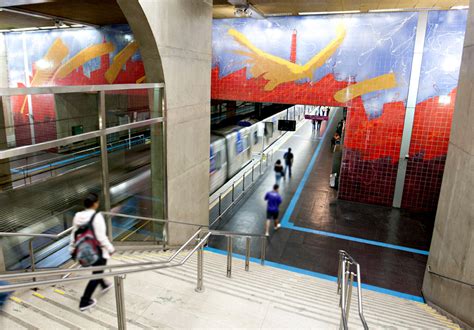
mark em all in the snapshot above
pixel 362 62
pixel 66 57
pixel 359 61
pixel 314 59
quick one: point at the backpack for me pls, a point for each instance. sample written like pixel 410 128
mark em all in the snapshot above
pixel 87 249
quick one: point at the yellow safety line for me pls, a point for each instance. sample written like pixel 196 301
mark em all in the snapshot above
pixel 133 232
pixel 441 318
pixel 16 299
pixel 39 295
pixel 59 291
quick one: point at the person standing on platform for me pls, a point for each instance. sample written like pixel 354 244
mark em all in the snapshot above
pixel 279 171
pixel 288 156
pixel 91 246
pixel 314 124
pixel 319 125
pixel 273 199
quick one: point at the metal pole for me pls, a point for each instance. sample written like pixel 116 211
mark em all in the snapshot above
pixel 343 323
pixel 253 167
pixel 350 282
pixel 32 257
pixel 200 256
pixel 120 302
pixel 359 298
pixel 233 187
pixel 105 161
pixel 165 235
pixel 263 251
pixel 229 256
pixel 339 276
pixel 247 254
pixel 220 199
pixel 243 183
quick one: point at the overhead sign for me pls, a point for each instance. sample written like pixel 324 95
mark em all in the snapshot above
pixel 286 125
pixel 322 113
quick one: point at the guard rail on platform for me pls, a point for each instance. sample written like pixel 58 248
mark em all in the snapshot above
pixel 201 236
pixel 345 282
pixel 227 234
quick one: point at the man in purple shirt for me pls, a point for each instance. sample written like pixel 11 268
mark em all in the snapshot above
pixel 273 199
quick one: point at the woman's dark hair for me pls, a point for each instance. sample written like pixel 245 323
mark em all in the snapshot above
pixel 90 200
pixel 278 162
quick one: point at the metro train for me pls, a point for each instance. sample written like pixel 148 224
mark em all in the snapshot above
pixel 232 147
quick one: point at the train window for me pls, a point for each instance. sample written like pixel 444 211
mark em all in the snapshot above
pixel 255 137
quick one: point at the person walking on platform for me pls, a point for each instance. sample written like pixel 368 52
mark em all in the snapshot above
pixel 288 156
pixel 91 246
pixel 273 199
pixel 279 171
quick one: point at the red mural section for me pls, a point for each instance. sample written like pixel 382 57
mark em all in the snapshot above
pixel 371 152
pixel 43 105
pixel 371 147
pixel 428 150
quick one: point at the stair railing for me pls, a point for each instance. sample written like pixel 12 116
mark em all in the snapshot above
pixel 345 282
pixel 119 272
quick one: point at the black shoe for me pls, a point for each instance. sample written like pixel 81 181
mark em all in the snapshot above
pixel 108 286
pixel 88 305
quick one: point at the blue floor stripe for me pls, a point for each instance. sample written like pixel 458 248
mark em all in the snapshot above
pixel 320 275
pixel 356 239
pixel 287 223
pixel 291 207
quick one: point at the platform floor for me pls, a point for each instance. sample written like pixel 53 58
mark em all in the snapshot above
pixel 390 244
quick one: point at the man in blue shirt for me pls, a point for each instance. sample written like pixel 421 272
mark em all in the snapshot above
pixel 273 199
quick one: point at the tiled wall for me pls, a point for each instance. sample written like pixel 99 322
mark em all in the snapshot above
pixel 435 105
pixel 252 61
pixel 50 57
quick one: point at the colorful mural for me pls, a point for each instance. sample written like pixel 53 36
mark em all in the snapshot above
pixel 359 61
pixel 66 57
pixel 435 106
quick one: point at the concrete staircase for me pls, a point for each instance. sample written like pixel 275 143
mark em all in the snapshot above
pixel 264 297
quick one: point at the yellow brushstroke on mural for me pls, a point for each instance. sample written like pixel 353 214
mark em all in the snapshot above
pixel 278 70
pixel 119 60
pixel 385 81
pixel 140 80
pixel 82 57
pixel 47 66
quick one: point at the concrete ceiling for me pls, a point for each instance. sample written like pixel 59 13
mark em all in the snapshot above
pixel 106 12
pixel 96 12
pixel 222 9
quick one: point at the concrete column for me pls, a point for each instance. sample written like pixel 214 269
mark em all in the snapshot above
pixel 449 277
pixel 178 52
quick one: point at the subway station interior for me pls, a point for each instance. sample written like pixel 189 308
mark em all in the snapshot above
pixel 253 164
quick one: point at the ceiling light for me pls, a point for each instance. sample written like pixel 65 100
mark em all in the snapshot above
pixel 77 26
pixel 460 7
pixel 328 12
pixel 2 31
pixel 385 10
pixel 24 29
pixel 48 27
pixel 278 14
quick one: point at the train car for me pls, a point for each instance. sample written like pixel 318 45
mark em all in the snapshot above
pixel 218 163
pixel 237 146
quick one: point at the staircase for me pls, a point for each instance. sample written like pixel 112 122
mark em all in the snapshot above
pixel 264 297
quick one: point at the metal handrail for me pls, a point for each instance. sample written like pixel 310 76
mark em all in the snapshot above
pixel 61 271
pixel 119 273
pixel 69 230
pixel 345 279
